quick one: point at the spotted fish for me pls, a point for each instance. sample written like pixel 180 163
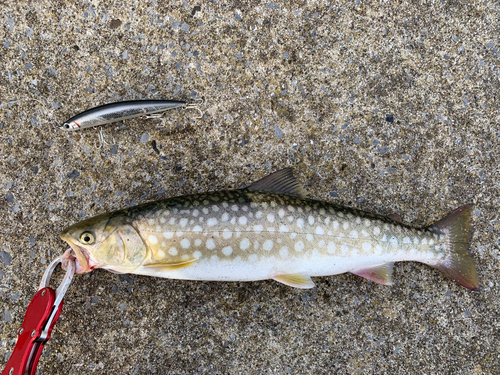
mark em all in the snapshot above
pixel 269 230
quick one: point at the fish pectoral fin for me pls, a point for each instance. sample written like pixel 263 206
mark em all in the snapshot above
pixel 395 217
pixel 380 275
pixel 164 266
pixel 296 280
pixel 281 182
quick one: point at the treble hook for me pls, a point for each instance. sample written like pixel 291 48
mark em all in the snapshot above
pixel 197 107
pixel 102 139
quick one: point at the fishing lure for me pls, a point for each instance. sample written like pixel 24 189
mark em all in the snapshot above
pixel 113 112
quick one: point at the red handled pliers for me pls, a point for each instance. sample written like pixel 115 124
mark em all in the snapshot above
pixel 41 316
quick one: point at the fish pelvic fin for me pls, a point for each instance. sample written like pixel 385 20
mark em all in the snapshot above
pixel 295 280
pixel 380 274
pixel 166 266
pixel 281 182
pixel 458 265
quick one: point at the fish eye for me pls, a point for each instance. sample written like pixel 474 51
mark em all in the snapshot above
pixel 87 238
pixel 66 125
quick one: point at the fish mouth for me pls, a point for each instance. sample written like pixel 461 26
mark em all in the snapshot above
pixel 82 257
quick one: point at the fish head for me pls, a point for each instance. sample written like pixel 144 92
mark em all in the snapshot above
pixel 69 126
pixel 107 241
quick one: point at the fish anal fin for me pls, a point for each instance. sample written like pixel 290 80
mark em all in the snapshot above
pixel 295 280
pixel 281 182
pixel 168 266
pixel 380 274
pixel 395 217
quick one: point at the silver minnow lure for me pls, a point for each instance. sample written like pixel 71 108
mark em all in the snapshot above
pixel 269 230
pixel 113 112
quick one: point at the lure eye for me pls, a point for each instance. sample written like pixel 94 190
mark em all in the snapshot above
pixel 66 125
pixel 87 238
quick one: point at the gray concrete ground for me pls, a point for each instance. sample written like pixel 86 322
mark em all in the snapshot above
pixel 388 107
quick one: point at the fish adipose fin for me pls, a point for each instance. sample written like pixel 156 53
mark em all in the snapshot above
pixel 282 182
pixel 458 265
pixel 295 280
pixel 380 275
pixel 171 266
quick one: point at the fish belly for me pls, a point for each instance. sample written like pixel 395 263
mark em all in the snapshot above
pixel 245 236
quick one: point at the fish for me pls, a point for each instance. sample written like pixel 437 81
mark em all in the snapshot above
pixel 268 230
pixel 113 112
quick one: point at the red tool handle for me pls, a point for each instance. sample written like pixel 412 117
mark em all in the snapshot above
pixel 28 349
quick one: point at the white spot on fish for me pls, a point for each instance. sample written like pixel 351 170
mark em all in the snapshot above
pixel 284 252
pixel 152 238
pixel 320 230
pixel 321 243
pixel 196 212
pixel 163 220
pixel 197 254
pixel 212 221
pixel 197 242
pixel 424 241
pixel 185 243
pixel 335 224
pixel 225 205
pixel 376 231
pixel 406 240
pixel 431 242
pixel 310 219
pixel 210 244
pixel 242 220
pixel 258 214
pixel 358 220
pixel 365 233
pixel 270 218
pixel 299 246
pixel 283 229
pixel 258 228
pixel 244 244
pixel 268 245
pixel 367 222
pixel 345 225
pixel 151 221
pixel 293 235
pixel 331 248
pixel 353 234
pixel 234 207
pixel 300 223
pixel 225 216
pixel 290 208
pixel 214 258
pixel 344 248
pixel 367 246
pixel 183 222
pixel 215 208
pixel 281 213
pixel 179 233
pixel 290 219
pixel 163 244
pixel 254 205
pixel 378 249
pixel 172 251
pixel 309 237
pixel 161 254
pixel 233 220
pixel 205 210
pixel 394 241
pixel 228 250
pixel 415 241
pixel 253 258
pixel 172 221
pixel 384 238
pixel 168 235
pixel 197 229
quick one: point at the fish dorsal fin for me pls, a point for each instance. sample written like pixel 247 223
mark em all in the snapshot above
pixel 168 266
pixel 282 182
pixel 296 280
pixel 395 217
pixel 380 274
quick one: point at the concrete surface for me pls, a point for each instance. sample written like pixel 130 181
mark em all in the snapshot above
pixel 388 107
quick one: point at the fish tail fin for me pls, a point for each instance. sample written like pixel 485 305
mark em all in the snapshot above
pixel 458 265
